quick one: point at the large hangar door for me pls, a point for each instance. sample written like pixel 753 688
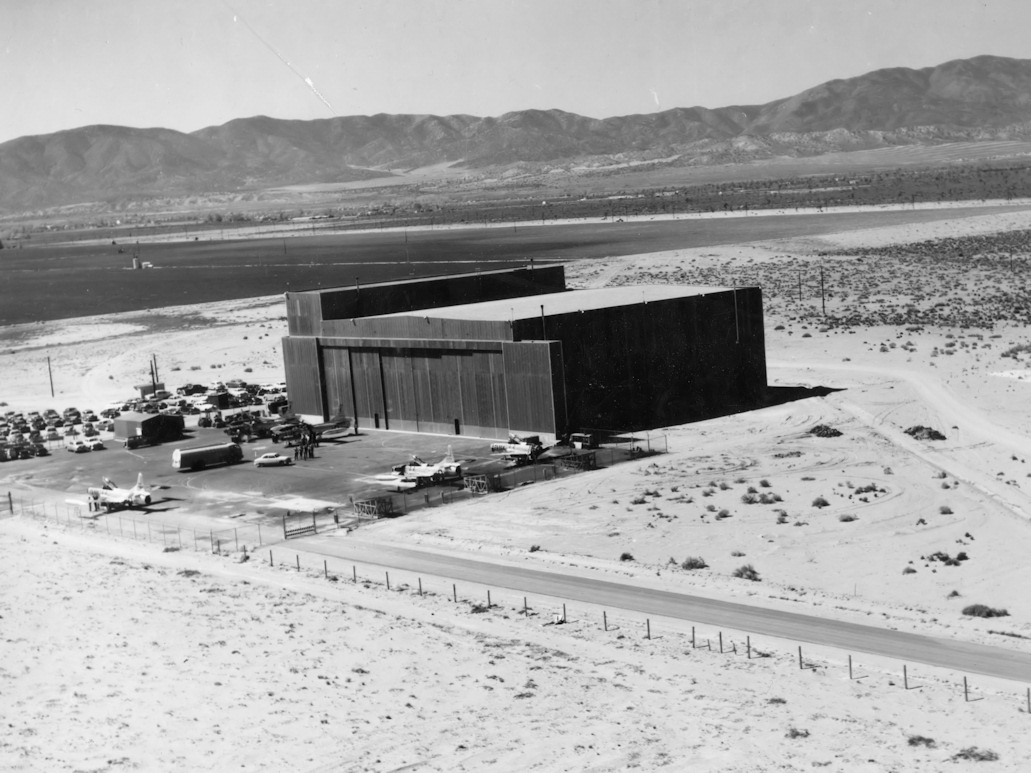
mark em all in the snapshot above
pixel 402 410
pixel 367 383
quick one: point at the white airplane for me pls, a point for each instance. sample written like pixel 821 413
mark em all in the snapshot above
pixel 112 497
pixel 518 450
pixel 417 473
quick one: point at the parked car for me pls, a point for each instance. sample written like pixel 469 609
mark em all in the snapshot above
pixel 39 449
pixel 95 444
pixel 77 446
pixel 272 460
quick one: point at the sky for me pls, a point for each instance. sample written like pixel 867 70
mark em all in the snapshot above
pixel 188 64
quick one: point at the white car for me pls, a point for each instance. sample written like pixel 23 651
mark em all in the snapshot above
pixel 272 460
pixel 94 444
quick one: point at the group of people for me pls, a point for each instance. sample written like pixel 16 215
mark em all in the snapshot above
pixel 306 445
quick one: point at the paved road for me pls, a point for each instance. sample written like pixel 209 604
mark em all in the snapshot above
pixel 908 647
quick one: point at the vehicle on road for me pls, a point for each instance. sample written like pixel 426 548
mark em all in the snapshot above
pixel 77 446
pixel 273 460
pixel 206 456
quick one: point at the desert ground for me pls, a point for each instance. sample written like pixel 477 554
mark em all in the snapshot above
pixel 121 655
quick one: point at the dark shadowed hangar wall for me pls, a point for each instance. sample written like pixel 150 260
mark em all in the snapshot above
pixel 503 352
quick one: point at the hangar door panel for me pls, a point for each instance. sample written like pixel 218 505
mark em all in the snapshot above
pixel 399 391
pixel 367 383
pixel 437 405
pixel 339 398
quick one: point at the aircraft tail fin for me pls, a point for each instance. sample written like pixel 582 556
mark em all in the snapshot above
pixel 139 481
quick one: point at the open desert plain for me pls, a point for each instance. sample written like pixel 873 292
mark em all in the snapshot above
pixel 885 488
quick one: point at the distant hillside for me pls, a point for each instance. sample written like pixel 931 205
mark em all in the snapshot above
pixel 986 97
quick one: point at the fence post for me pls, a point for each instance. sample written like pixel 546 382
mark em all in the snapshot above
pixel 236 539
pixel 692 637
pixel 489 605
pixel 298 562
pixel 748 644
pixel 721 642
pixel 388 580
pixel 648 623
pixel 526 613
pixel 563 613
pixel 354 573
pixel 850 667
pixel 325 568
pixel 966 692
pixel 270 562
pixel 800 666
pixel 605 620
pixel 454 592
pixel 905 677
pixel 420 586
pixel 259 533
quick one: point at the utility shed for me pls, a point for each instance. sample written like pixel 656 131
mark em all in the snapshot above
pixel 152 427
pixel 546 362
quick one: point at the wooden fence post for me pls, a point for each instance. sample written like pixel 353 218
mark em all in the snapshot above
pixel 388 580
pixel 605 619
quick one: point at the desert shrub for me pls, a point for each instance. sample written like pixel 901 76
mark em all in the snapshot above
pixel 626 557
pixel 175 368
pixel 975 754
pixel 782 516
pixel 707 492
pixel 724 485
pixel 737 554
pixel 248 370
pixel 776 700
pixel 478 609
pixel 920 432
pixel 694 562
pixel 711 508
pixel 764 483
pixel 534 548
pixel 920 740
pixel 848 517
pixel 962 556
pixel 753 490
pixel 638 501
pixel 945 510
pixel 820 502
pixel 739 480
pixel 767 498
pixel 822 430
pixel 747 572
pixel 749 499
pixel 909 570
pixel 724 513
pixel 195 367
pixel 652 493
pixel 796 733
pixel 983 610
pixel 953 594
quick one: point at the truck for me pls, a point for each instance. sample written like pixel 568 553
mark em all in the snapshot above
pixel 199 457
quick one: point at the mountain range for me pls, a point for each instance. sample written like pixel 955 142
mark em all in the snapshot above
pixel 986 97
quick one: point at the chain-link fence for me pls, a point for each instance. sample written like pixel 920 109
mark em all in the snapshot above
pixel 139 526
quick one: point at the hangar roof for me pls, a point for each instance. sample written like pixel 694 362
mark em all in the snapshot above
pixel 568 302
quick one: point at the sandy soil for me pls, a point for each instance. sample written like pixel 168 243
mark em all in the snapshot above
pixel 119 656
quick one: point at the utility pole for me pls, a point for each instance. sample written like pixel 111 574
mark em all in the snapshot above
pixel 51 374
pixel 823 299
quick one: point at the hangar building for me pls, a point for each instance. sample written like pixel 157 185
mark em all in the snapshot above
pixel 514 351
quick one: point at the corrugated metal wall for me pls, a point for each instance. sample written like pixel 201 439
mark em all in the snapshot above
pixel 660 363
pixel 530 386
pixel 425 328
